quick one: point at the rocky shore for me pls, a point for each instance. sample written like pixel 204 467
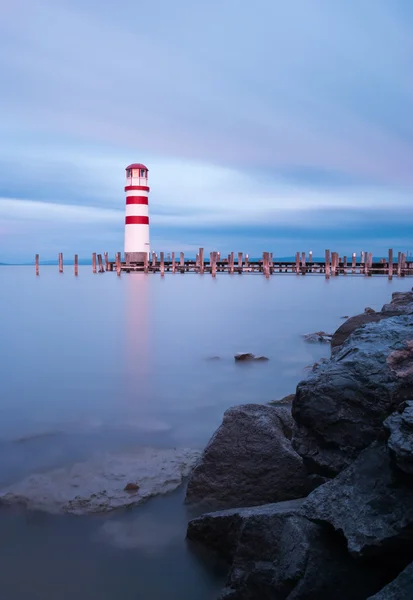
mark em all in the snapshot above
pixel 315 494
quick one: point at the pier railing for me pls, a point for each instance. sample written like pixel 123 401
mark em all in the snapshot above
pixel 332 265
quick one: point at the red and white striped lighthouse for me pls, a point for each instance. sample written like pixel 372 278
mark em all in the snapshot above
pixel 137 213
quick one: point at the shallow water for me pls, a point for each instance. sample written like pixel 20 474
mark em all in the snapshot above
pixel 101 363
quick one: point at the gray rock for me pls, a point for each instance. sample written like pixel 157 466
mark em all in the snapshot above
pixel 369 506
pixel 399 589
pixel 250 461
pixel 318 337
pixel 400 442
pixel 248 357
pixel 275 553
pixel 339 409
pixel 353 323
pixel 401 302
pixel 369 311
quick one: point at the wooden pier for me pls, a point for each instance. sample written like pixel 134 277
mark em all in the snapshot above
pixel 332 265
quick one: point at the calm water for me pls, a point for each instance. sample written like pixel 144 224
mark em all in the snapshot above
pixel 103 363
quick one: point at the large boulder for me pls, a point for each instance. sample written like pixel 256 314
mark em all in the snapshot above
pixel 401 302
pixel 400 442
pixel 399 589
pixel 250 461
pixel 275 553
pixel 339 409
pixel 353 323
pixel 370 506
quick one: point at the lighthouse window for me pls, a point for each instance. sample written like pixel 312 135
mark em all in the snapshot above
pixel 142 172
pixel 128 173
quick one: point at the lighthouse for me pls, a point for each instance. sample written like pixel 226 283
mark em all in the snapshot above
pixel 137 213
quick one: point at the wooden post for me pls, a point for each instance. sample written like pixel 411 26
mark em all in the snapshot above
pixel 182 262
pixel 345 265
pixel 370 264
pixel 366 263
pixel 145 263
pixel 201 261
pixel 100 262
pixel 60 262
pixel 232 263
pixel 303 265
pixel 196 262
pixel 310 257
pixel 162 259
pixel 94 262
pixel 106 255
pixel 390 269
pixel 239 262
pixel 353 262
pixel 118 263
pixel 403 261
pixel 76 265
pixel 154 261
pixel 173 262
pixel 246 262
pixel 266 264
pixel 327 264
pixel 37 263
pixel 297 263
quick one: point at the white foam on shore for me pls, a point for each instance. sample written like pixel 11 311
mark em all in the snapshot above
pixel 97 485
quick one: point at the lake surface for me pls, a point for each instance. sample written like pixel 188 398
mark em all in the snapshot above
pixel 102 363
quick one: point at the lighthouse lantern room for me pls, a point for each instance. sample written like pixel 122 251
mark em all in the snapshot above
pixel 137 213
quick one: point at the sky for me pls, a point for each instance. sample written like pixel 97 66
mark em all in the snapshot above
pixel 276 125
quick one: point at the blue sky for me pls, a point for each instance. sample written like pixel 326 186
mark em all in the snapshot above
pixel 279 126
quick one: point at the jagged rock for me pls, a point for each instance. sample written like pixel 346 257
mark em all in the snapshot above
pixel 339 409
pixel 401 361
pixel 249 461
pixel 369 506
pixel 275 553
pixel 369 311
pixel 400 442
pixel 400 588
pixel 318 337
pixel 353 323
pixel 401 302
pixel 247 357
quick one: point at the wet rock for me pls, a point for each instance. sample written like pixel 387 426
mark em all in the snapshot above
pixel 344 317
pixel 369 311
pixel 250 461
pixel 401 361
pixel 318 337
pixel 247 357
pixel 353 323
pixel 401 302
pixel 339 409
pixel 400 588
pixel 98 485
pixel 400 442
pixel 370 506
pixel 286 401
pixel 131 487
pixel 276 553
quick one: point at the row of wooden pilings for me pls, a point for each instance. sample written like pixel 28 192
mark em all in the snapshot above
pixel 332 265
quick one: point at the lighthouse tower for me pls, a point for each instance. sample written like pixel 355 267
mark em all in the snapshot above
pixel 137 213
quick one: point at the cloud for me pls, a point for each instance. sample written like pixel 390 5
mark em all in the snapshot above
pixel 285 115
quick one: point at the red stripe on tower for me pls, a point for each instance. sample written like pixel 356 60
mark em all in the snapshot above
pixel 144 188
pixel 136 199
pixel 136 220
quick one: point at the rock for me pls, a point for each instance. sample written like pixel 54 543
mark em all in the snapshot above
pixel 369 311
pixel 247 356
pixel 131 487
pixel 344 317
pixel 249 461
pixel 353 323
pixel 98 485
pixel 401 302
pixel 318 337
pixel 214 358
pixel 369 506
pixel 286 401
pixel 400 442
pixel 339 409
pixel 401 361
pixel 400 588
pixel 275 553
